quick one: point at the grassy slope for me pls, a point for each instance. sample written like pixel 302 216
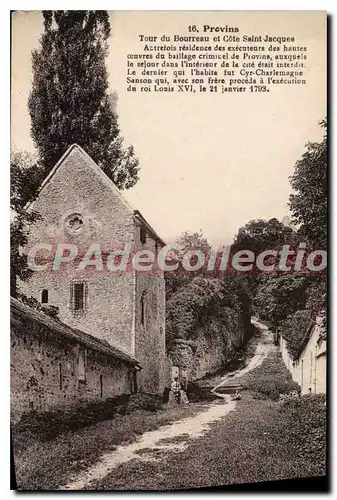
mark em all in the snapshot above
pixel 261 440
pixel 52 447
pixel 270 379
pixel 47 464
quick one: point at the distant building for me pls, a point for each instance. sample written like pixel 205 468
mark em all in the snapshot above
pixel 80 205
pixel 308 367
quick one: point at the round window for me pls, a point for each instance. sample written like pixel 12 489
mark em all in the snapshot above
pixel 74 223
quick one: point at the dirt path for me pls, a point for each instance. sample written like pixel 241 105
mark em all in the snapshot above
pixel 172 438
pixel 180 433
pixel 262 350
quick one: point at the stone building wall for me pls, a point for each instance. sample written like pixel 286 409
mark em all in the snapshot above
pixel 150 323
pixel 78 186
pixel 109 309
pixel 112 313
pixel 150 337
pixel 45 370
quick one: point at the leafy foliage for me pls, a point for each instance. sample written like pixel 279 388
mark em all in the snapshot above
pixel 203 299
pixel 309 203
pixel 47 309
pixel 294 329
pixel 317 299
pixel 278 297
pixel 69 102
pixel 25 180
pixel 289 302
pixel 258 235
pixel 304 426
pixel 195 299
pixel 190 305
pixel 26 177
pixel 186 241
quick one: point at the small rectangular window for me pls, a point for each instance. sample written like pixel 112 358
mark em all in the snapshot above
pixel 44 297
pixel 78 296
pixel 142 234
pixel 60 376
pixel 101 384
pixel 81 365
pixel 142 310
pixel 133 380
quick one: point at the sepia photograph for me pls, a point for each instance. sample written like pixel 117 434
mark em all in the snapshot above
pixel 168 250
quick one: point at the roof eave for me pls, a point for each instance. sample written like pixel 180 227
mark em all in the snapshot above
pixel 138 215
pixel 75 335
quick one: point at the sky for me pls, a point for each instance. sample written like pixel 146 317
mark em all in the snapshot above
pixel 208 161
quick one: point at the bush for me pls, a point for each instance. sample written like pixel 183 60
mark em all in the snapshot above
pixel 270 379
pixel 304 425
pixel 289 398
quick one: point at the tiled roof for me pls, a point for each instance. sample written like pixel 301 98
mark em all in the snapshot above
pixel 55 326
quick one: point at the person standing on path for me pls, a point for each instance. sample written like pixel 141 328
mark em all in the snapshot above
pixel 176 389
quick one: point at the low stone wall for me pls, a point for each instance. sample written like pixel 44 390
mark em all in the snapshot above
pixel 53 367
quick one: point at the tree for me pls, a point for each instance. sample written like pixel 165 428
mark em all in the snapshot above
pixel 196 241
pixel 278 297
pixel 195 299
pixel 69 102
pixel 25 181
pixel 199 302
pixel 185 242
pixel 258 235
pixel 309 202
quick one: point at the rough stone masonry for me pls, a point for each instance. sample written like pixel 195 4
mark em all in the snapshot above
pixel 80 205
